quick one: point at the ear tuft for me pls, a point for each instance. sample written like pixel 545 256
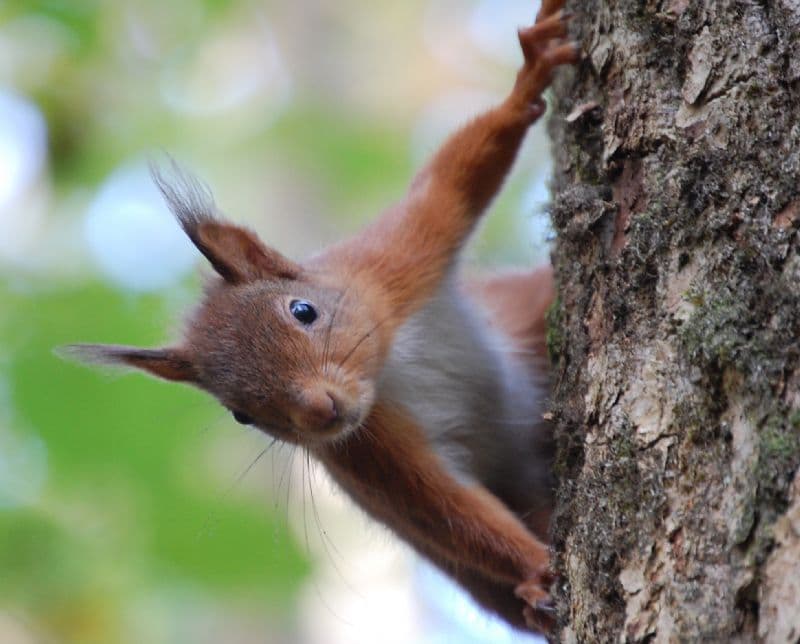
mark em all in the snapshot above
pixel 191 201
pixel 235 252
pixel 170 364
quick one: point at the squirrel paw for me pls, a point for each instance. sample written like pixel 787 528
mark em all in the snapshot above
pixel 545 48
pixel 539 613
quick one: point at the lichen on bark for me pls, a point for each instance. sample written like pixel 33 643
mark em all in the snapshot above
pixel 677 401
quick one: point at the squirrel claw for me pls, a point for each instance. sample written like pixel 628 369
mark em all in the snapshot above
pixel 532 592
pixel 545 606
pixel 539 612
pixel 538 621
pixel 545 46
pixel 565 54
pixel 534 38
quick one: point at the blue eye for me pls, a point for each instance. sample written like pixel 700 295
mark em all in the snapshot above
pixel 303 311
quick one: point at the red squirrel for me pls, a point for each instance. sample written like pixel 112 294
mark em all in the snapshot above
pixel 420 393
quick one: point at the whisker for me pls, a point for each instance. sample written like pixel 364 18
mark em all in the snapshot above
pixel 322 533
pixel 326 348
pixel 303 486
pixel 289 481
pixel 246 471
pixel 367 432
pixel 278 494
pixel 324 536
pixel 223 496
pixel 327 542
pixel 364 337
pixel 328 606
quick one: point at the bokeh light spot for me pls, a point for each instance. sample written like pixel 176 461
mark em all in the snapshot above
pixel 132 236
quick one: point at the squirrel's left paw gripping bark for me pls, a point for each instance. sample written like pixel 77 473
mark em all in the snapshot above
pixel 544 47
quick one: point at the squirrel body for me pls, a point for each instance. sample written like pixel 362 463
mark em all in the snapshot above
pixel 476 395
pixel 458 386
pixel 422 395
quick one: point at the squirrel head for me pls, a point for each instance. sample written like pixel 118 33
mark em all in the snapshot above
pixel 292 350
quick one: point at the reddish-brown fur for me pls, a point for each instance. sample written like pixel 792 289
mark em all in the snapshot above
pixel 518 303
pixel 315 384
pixel 392 474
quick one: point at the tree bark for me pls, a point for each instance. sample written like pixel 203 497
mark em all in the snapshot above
pixel 677 330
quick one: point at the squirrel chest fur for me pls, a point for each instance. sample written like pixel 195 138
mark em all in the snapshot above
pixel 466 385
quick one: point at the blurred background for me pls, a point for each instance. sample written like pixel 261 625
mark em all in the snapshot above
pixel 135 511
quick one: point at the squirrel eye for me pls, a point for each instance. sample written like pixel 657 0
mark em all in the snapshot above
pixel 303 311
pixel 242 419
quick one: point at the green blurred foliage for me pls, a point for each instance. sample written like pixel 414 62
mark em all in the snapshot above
pixel 119 512
pixel 129 516
pixel 125 512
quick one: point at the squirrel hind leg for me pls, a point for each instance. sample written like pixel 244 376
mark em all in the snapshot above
pixel 517 304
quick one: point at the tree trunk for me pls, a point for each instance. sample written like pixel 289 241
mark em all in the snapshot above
pixel 677 330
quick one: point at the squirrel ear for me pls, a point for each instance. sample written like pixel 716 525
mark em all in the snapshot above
pixel 169 364
pixel 235 252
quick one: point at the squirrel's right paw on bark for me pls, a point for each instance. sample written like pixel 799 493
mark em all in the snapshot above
pixel 540 611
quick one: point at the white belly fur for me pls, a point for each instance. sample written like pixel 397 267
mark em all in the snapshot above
pixel 459 379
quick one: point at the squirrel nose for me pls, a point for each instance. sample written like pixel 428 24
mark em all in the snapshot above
pixel 328 410
pixel 318 410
